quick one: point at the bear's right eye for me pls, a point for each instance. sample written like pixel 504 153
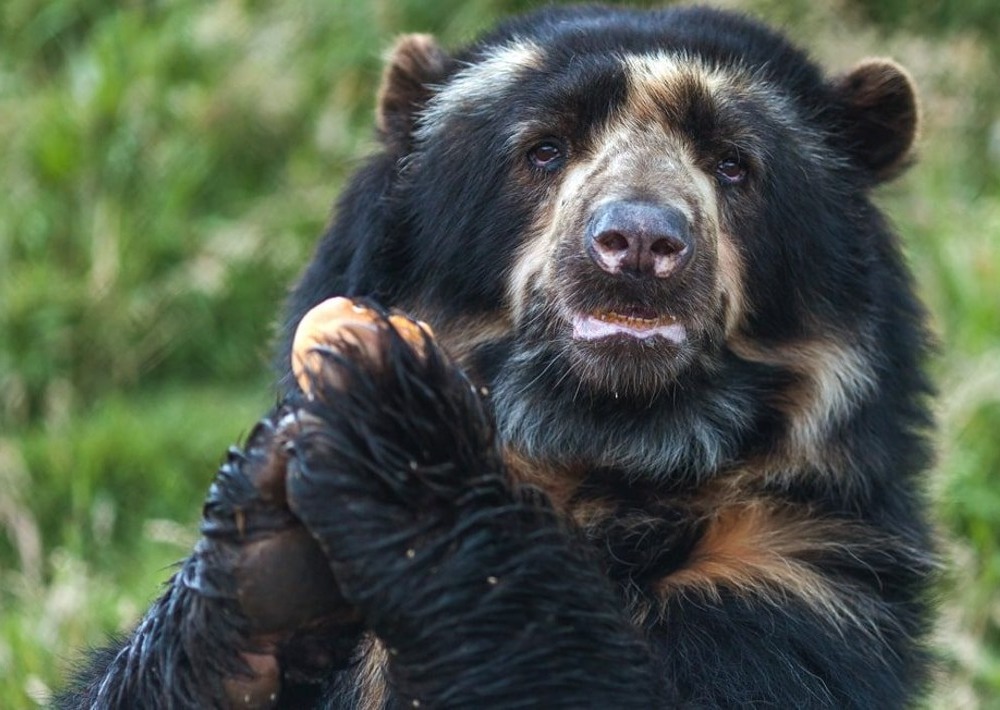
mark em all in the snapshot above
pixel 547 154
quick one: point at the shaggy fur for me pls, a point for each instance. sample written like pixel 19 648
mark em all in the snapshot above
pixel 661 454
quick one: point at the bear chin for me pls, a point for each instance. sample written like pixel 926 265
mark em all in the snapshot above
pixel 623 365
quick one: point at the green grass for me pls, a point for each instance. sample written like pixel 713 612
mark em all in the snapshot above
pixel 166 168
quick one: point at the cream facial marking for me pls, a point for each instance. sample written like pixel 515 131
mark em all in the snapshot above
pixel 535 260
pixel 473 88
pixel 730 281
pixel 656 80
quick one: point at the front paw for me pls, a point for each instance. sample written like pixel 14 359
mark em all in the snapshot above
pixel 279 575
pixel 396 446
pixel 341 328
pixel 290 621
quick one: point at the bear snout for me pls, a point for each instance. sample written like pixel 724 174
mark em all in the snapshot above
pixel 639 238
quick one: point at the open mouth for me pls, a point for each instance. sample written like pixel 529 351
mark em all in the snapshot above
pixel 637 324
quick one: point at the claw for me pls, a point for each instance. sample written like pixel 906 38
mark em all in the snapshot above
pixel 235 455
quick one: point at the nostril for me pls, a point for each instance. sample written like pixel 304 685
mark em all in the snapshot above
pixel 613 242
pixel 637 238
pixel 666 247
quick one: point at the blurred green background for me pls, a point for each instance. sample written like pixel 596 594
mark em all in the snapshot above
pixel 165 168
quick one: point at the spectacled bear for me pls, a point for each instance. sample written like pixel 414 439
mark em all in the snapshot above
pixel 658 440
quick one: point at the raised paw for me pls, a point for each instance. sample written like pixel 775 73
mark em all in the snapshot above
pixel 345 326
pixel 396 442
pixel 255 552
pixel 283 581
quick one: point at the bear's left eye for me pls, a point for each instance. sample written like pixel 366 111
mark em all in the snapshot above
pixel 730 171
pixel 546 154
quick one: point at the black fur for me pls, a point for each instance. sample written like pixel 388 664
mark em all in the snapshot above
pixel 515 534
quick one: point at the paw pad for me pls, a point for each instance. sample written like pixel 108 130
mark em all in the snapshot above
pixel 341 323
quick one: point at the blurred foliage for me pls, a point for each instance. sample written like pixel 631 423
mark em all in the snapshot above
pixel 166 167
pixel 940 17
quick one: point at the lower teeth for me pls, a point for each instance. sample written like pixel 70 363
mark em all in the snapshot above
pixel 631 320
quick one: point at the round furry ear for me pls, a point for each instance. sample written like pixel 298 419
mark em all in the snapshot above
pixel 414 64
pixel 881 115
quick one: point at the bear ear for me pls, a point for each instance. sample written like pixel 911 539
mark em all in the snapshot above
pixel 881 115
pixel 414 65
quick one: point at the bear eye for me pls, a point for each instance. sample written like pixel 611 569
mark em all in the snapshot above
pixel 546 154
pixel 730 171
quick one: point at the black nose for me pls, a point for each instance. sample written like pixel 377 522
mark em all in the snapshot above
pixel 640 238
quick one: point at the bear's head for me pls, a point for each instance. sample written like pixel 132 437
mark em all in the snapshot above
pixel 604 212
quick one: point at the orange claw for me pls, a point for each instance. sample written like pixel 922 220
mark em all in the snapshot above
pixel 338 321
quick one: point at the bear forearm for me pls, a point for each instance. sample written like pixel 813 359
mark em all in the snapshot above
pixel 196 650
pixel 466 583
pixel 253 617
pixel 530 621
pixel 179 653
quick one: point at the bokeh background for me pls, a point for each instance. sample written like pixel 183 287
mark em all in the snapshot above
pixel 165 167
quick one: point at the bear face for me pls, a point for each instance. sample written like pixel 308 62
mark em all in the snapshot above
pixel 652 226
